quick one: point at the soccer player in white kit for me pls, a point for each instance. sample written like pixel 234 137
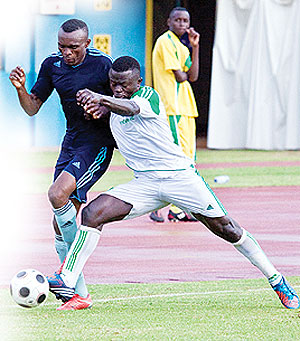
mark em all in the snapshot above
pixel 162 175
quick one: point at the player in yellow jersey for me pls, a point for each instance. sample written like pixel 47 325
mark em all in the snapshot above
pixel 173 69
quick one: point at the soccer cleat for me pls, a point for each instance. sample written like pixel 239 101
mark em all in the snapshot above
pixel 77 303
pixel 286 294
pixel 156 216
pixel 58 287
pixel 181 216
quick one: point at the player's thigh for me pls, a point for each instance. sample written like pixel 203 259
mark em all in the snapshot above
pixel 142 193
pixel 104 209
pixel 189 191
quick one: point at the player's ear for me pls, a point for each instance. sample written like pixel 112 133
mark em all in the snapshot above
pixel 140 80
pixel 87 42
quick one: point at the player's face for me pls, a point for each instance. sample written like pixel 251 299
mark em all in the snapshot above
pixel 73 46
pixel 179 22
pixel 124 84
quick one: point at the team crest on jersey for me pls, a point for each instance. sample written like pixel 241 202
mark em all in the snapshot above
pixel 58 64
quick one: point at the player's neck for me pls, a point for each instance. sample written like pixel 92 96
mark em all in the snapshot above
pixel 178 36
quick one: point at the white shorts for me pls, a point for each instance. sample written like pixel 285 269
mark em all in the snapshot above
pixel 186 189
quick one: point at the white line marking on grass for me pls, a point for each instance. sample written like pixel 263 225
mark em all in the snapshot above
pixel 181 294
pixel 106 300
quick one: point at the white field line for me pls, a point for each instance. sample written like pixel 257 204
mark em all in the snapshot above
pixel 218 292
pixel 181 294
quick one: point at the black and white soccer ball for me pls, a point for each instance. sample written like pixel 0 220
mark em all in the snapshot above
pixel 29 288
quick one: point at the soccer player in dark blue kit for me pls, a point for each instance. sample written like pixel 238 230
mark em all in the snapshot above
pixel 87 146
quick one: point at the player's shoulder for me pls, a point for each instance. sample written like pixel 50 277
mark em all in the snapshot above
pixel 99 55
pixel 53 59
pixel 166 41
pixel 54 56
pixel 148 95
pixel 145 92
pixel 163 38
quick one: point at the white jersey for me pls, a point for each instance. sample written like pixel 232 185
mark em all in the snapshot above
pixel 145 140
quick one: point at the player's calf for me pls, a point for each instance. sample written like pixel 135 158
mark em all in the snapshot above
pixel 224 227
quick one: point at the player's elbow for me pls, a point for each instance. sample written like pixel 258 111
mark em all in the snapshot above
pixel 192 77
pixel 135 109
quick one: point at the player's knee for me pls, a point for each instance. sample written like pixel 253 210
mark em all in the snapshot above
pixel 56 197
pixel 226 228
pixel 90 217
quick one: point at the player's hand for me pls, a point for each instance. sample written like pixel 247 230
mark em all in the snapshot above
pixel 194 36
pixel 87 97
pixel 95 111
pixel 17 77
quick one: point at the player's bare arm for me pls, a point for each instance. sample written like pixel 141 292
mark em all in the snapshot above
pixel 125 107
pixel 194 38
pixel 193 72
pixel 29 102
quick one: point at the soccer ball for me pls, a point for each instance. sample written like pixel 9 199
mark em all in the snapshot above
pixel 29 288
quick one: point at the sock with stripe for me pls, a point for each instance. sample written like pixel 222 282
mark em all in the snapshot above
pixel 250 248
pixel 66 220
pixel 60 247
pixel 84 245
pixel 62 251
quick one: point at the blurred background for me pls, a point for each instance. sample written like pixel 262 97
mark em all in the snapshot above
pixel 248 91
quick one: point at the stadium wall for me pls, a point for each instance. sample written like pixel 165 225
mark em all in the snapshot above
pixel 28 43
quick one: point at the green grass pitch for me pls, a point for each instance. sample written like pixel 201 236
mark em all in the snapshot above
pixel 222 310
pixel 217 310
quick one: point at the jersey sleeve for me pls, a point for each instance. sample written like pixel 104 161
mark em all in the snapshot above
pixel 106 68
pixel 149 102
pixel 43 87
pixel 169 55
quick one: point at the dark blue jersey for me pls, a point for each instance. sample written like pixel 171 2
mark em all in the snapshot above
pixel 92 74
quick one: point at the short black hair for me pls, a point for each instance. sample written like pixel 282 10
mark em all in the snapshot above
pixel 72 25
pixel 175 9
pixel 126 63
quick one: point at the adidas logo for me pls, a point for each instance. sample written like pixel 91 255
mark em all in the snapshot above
pixel 67 224
pixel 76 164
pixel 209 207
pixel 58 64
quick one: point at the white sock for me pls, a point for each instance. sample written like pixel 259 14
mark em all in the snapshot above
pixel 62 251
pixel 250 248
pixel 84 244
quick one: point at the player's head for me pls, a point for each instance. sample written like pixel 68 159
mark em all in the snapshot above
pixel 179 20
pixel 125 78
pixel 73 39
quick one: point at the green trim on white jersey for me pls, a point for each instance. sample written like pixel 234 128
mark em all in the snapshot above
pixel 145 139
pixel 151 95
pixel 159 170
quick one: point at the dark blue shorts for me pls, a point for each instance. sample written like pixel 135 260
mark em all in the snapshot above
pixel 86 165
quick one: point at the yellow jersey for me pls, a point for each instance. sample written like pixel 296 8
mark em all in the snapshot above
pixel 170 54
